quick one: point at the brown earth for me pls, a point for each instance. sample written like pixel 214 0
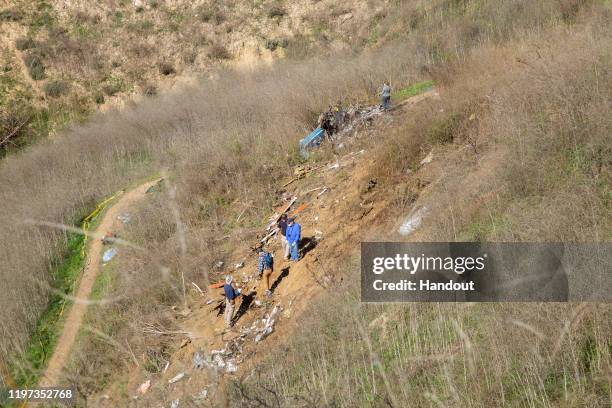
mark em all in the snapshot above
pixel 351 210
pixel 109 222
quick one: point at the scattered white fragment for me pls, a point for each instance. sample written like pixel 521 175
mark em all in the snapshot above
pixel 144 387
pixel 209 302
pixel 175 403
pixel 427 158
pixel 239 265
pixel 220 264
pixel 231 367
pixel 268 324
pixel 198 288
pixel 202 395
pixel 176 378
pixel 413 221
pixel 124 218
pixel 198 361
pixel 218 360
pixel 109 254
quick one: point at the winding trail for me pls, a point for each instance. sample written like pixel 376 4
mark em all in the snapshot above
pixel 109 222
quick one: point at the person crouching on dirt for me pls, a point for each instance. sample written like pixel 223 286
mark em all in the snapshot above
pixel 265 265
pixel 386 95
pixel 294 232
pixel 230 300
pixel 282 227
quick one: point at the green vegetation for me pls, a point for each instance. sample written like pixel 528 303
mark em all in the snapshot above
pixel 63 279
pixel 227 142
pixel 24 43
pixel 413 90
pixel 114 84
pixel 55 89
pixel 35 66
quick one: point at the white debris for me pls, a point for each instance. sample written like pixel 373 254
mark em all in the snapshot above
pixel 219 264
pixel 218 360
pixel 209 301
pixel 202 395
pixel 413 221
pixel 109 254
pixel 198 361
pixel 239 265
pixel 124 218
pixel 427 158
pixel 231 367
pixel 268 322
pixel 176 378
pixel 144 387
pixel 175 403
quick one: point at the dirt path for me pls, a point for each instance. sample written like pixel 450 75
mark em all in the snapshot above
pixel 73 321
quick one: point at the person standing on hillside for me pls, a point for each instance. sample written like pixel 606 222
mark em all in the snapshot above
pixel 282 227
pixel 386 95
pixel 265 266
pixel 294 231
pixel 230 300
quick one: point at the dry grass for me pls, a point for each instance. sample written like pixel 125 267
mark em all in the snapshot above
pixel 203 134
pixel 230 139
pixel 531 123
pixel 348 354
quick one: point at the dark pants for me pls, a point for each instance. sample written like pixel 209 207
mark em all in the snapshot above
pixel 386 101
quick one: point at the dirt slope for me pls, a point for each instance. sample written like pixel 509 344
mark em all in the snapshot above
pixel 109 222
pixel 343 207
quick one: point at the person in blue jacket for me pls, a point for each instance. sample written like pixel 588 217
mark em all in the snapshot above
pixel 293 236
pixel 230 300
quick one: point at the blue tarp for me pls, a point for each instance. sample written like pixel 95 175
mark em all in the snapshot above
pixel 314 139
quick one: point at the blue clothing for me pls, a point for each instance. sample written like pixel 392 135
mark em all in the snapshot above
pixel 293 248
pixel 293 233
pixel 386 91
pixel 262 263
pixel 230 292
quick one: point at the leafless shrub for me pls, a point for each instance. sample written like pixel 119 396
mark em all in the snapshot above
pixel 165 68
pixel 218 51
pixel 56 88
pixel 225 143
pixel 24 43
pixel 422 350
pixel 276 10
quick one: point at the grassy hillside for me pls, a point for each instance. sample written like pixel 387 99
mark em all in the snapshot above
pixel 525 85
pixel 63 61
